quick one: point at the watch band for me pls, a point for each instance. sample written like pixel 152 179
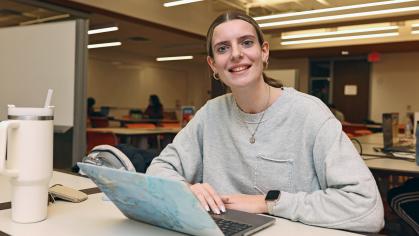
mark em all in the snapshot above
pixel 271 199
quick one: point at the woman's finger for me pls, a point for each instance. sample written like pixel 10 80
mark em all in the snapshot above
pixel 197 191
pixel 216 198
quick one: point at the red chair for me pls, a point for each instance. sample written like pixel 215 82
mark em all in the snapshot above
pixel 99 122
pixel 350 136
pixel 355 129
pixel 95 138
pixel 170 125
pixel 362 132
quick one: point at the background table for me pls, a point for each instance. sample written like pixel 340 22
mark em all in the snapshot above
pixel 130 135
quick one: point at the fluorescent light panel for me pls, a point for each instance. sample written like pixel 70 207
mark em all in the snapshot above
pixel 102 30
pixel 339 32
pixel 335 17
pixel 103 45
pixel 415 32
pixel 373 4
pixel 339 38
pixel 180 2
pixel 415 25
pixel 174 58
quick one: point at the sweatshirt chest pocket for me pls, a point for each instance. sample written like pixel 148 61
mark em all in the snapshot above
pixel 274 173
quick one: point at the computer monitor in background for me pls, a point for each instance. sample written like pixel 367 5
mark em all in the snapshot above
pixel 390 129
pixel 104 110
pixel 416 119
pixel 187 112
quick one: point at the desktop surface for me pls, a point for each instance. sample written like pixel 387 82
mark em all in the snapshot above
pixel 97 216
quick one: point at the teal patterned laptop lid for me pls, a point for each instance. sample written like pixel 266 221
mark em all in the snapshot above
pixel 162 202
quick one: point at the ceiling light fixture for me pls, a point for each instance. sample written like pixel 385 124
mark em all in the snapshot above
pixel 103 45
pixel 174 58
pixel 180 2
pixel 332 9
pixel 415 28
pixel 335 17
pixel 102 30
pixel 339 32
pixel 321 40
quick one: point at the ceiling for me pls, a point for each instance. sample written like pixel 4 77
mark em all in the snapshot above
pixel 13 13
pixel 146 40
pixel 142 40
pixel 268 7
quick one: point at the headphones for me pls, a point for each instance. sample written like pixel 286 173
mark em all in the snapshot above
pixel 109 156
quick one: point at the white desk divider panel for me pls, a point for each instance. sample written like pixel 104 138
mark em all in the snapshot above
pixel 35 58
pixel 289 78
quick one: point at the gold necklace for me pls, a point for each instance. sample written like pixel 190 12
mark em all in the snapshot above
pixel 252 138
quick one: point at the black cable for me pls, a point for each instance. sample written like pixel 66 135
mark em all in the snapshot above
pixel 359 144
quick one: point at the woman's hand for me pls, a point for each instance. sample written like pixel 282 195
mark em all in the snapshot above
pixel 248 203
pixel 208 197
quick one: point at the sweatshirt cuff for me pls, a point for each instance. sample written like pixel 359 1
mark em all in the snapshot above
pixel 285 207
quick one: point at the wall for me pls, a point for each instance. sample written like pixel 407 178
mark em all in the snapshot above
pixel 394 84
pixel 130 87
pixel 299 64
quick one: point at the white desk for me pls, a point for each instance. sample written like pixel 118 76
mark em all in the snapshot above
pixel 381 163
pixel 98 217
pixel 392 166
pixel 375 138
pixel 72 181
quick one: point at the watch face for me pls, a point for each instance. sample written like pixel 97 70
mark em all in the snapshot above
pixel 272 195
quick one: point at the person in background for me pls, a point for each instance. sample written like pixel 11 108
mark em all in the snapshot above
pixel 154 109
pixel 404 200
pixel 90 108
pixel 338 114
pixel 267 149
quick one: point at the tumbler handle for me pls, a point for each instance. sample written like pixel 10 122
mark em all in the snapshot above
pixel 4 128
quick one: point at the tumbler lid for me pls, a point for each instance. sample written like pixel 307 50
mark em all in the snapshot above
pixel 30 113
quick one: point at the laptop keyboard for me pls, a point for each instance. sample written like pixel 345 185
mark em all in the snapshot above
pixel 230 227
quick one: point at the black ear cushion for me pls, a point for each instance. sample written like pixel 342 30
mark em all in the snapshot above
pixel 141 159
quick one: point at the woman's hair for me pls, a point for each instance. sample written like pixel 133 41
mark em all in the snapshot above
pixel 90 102
pixel 155 101
pixel 235 15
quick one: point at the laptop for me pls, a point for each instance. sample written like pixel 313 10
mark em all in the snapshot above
pixel 391 135
pixel 169 204
pixel 104 110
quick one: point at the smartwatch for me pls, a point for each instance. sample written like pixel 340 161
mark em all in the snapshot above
pixel 272 197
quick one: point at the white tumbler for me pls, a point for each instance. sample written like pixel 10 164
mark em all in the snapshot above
pixel 28 134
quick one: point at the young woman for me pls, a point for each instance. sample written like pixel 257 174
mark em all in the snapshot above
pixel 262 139
pixel 154 109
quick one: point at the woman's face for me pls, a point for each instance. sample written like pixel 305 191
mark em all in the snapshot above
pixel 238 57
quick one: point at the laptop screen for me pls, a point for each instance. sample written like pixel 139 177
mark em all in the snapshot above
pixel 390 129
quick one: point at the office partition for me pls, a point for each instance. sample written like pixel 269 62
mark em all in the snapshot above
pixel 38 57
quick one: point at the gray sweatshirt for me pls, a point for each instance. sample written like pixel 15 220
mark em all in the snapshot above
pixel 300 149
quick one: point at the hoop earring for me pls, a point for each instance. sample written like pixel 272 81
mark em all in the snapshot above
pixel 215 76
